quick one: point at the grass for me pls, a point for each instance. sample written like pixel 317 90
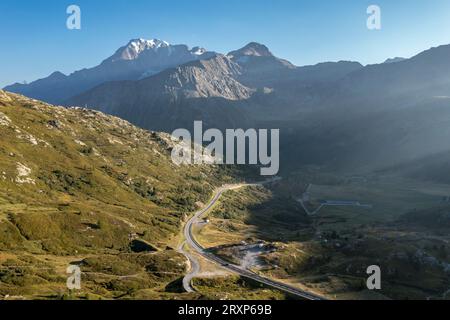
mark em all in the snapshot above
pixel 329 253
pixel 234 288
pixel 80 187
pixel 389 197
pixel 78 183
pixel 255 213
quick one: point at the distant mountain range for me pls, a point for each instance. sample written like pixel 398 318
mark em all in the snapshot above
pixel 138 59
pixel 204 89
pixel 225 91
pixel 336 114
pixel 381 115
pixel 161 86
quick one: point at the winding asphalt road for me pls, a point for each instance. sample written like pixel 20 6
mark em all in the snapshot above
pixel 195 267
pixel 194 270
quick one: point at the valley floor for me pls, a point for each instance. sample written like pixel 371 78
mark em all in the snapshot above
pixel 328 253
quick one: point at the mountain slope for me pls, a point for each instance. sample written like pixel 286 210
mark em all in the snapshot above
pixel 260 67
pixel 387 85
pixel 138 59
pixel 237 90
pixel 201 90
pixel 162 87
pixel 379 116
pixel 78 185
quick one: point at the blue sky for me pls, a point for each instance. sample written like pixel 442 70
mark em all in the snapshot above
pixel 35 40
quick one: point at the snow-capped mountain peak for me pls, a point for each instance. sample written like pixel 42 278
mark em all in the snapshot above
pixel 137 59
pixel 136 46
pixel 149 44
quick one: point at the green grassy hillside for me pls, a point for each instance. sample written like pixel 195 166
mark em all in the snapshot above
pixel 77 186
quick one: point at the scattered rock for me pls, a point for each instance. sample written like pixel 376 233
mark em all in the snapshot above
pixel 4 120
pixel 81 143
pixel 23 173
pixel 30 138
pixel 4 96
